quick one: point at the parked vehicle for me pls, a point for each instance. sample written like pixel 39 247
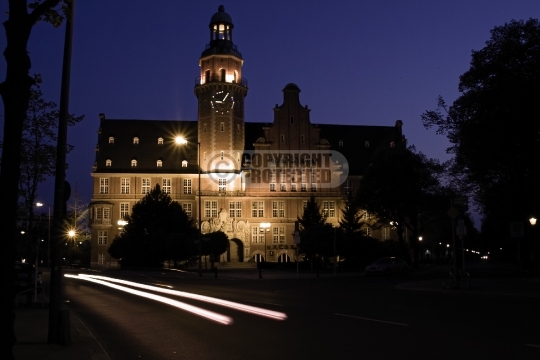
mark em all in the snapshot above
pixel 387 265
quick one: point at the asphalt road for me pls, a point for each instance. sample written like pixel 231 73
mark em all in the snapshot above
pixel 327 318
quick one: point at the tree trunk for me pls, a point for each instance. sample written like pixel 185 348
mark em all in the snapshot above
pixel 15 92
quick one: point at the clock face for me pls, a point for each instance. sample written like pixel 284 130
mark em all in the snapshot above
pixel 222 102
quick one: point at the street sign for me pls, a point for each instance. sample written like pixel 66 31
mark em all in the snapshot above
pixel 297 237
pixel 516 229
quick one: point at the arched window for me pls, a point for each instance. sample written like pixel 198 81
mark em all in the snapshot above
pixel 133 163
pixel 160 141
pixel 111 140
pixel 159 163
pixel 135 140
pixel 184 163
pixel 108 162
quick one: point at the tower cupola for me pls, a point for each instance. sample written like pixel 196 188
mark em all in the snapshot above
pixel 221 41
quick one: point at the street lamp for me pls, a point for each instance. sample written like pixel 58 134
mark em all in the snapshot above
pixel 181 141
pixel 265 227
pixel 48 232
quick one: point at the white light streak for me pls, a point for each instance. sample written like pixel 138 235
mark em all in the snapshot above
pixel 230 304
pixel 222 319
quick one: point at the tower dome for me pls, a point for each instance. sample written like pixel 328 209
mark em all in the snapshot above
pixel 221 16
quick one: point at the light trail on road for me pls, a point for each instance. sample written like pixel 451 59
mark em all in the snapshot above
pixel 229 304
pixel 222 319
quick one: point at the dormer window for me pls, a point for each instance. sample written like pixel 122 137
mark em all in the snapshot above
pixel 340 143
pixel 133 163
pixel 111 140
pixel 108 162
pixel 184 163
pixel 366 144
pixel 160 141
pixel 159 163
pixel 135 140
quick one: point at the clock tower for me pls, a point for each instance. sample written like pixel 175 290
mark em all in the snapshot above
pixel 220 90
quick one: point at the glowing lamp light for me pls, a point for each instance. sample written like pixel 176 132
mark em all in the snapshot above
pixel 122 222
pixel 420 238
pixel 532 221
pixel 180 140
pixel 71 233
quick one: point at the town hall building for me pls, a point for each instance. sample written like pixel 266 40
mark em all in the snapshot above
pixel 250 180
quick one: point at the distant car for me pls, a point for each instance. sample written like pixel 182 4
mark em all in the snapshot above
pixel 387 265
pixel 23 280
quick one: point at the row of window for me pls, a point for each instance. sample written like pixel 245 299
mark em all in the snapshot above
pixel 258 234
pixel 159 163
pixel 125 186
pixel 136 140
pixel 102 214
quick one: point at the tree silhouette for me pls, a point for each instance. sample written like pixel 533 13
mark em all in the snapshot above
pixel 158 229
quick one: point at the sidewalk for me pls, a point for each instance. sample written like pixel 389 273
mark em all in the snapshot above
pixel 31 330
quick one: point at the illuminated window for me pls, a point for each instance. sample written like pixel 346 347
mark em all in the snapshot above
pixel 184 163
pixel 257 209
pixel 210 208
pixel 145 189
pixel 160 141
pixel 166 186
pixel 135 140
pixel 187 209
pixel 187 186
pixel 111 140
pixel 278 234
pixel 101 259
pixel 386 232
pixel 257 235
pixel 278 209
pixel 103 216
pixel 108 162
pixel 329 208
pixel 124 210
pixel 103 185
pixel 368 231
pixel 222 184
pixel 124 186
pixel 235 209
pixel 133 163
pixel 159 163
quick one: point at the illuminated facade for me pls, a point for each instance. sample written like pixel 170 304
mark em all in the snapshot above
pixel 251 173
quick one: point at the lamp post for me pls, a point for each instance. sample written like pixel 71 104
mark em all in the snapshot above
pixel 48 232
pixel 181 141
pixel 265 227
pixel 420 248
pixel 532 221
